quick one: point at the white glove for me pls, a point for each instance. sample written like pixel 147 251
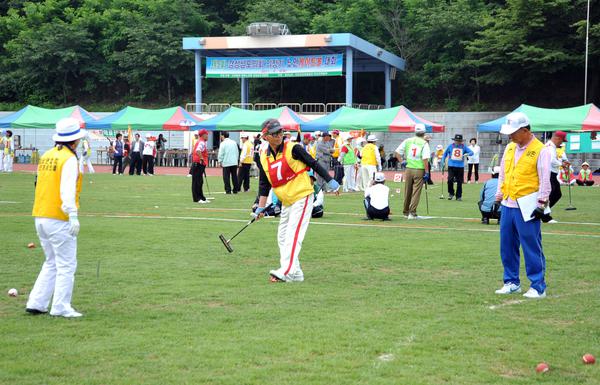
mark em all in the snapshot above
pixel 73 225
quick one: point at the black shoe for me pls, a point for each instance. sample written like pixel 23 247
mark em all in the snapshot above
pixel 450 197
pixel 485 221
pixel 35 311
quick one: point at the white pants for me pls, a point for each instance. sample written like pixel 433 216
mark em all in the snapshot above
pixel 58 271
pixel 1 160
pixel 292 229
pixel 349 178
pixel 366 173
pixel 85 161
pixel 8 163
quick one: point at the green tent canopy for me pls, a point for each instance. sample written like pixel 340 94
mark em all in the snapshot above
pixel 38 117
pixel 141 119
pixel 237 119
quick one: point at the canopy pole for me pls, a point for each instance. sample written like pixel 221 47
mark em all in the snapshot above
pixel 388 86
pixel 349 69
pixel 198 80
pixel 244 92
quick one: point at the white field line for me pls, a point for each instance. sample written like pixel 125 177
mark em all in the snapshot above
pixel 8 202
pixel 519 301
pixel 362 215
pixel 361 225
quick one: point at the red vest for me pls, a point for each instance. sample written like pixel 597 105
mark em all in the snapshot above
pixel 204 152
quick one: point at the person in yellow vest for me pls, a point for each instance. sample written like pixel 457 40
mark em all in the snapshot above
pixel 524 170
pixel 370 161
pixel 246 159
pixel 585 175
pixel 338 168
pixel 349 160
pixel 55 210
pixel 86 152
pixel 308 143
pixel 9 151
pixel 284 167
pixel 1 150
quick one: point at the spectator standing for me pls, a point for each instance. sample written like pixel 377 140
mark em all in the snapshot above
pixel 9 151
pixel 192 147
pixel 160 149
pixel 308 143
pixel 585 175
pixel 338 168
pixel 85 155
pixel 55 209
pixel 324 151
pixel 524 170
pixel 148 154
pixel 199 162
pixel 456 165
pixel 126 152
pixel 370 161
pixel 349 160
pixel 229 158
pixel 136 155
pixel 416 151
pixel 376 201
pixel 118 156
pixel 473 160
pixel 1 150
pixel 246 159
pixel 557 139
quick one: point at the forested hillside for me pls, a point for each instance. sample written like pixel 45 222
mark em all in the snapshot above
pixel 461 55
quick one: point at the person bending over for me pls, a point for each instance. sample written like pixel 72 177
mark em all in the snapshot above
pixel 377 199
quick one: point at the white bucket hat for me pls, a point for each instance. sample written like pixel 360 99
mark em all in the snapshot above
pixel 379 177
pixel 420 128
pixel 68 130
pixel 371 138
pixel 514 122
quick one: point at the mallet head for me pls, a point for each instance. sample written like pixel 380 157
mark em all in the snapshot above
pixel 226 243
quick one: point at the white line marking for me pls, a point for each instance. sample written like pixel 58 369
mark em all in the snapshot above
pixel 9 202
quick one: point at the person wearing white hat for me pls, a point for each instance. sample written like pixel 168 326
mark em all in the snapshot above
pixel 377 202
pixel 585 175
pixel 360 184
pixel 85 155
pixel 488 206
pixel 148 154
pixel 55 210
pixel 246 159
pixel 524 171
pixel 370 160
pixel 416 151
pixel 349 160
pixel 9 151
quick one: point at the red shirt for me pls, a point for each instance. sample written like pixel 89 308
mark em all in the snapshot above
pixel 200 146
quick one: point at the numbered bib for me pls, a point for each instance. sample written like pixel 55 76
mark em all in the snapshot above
pixel 457 154
pixel 414 152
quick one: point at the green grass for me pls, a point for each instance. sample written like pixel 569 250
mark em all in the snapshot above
pixel 383 303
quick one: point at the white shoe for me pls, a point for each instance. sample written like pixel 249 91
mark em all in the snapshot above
pixel 509 288
pixel 189 175
pixel 532 293
pixel 67 314
pixel 410 216
pixel 552 221
pixel 277 277
pixel 298 276
pixel 203 202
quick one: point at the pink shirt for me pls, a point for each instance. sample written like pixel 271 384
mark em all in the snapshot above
pixel 543 171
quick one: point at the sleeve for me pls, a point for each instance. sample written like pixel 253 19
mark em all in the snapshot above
pixel 426 152
pixel 378 157
pixel 469 151
pixel 400 148
pixel 68 185
pixel 543 169
pixel 300 154
pixel 244 153
pixel 221 153
pixel 553 156
pixel 367 192
pixel 446 154
pixel 501 176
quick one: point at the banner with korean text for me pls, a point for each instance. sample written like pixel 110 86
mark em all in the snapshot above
pixel 274 66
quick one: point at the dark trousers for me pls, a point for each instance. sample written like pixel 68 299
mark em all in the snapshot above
pixel 555 193
pixel 230 172
pixel 118 161
pixel 338 171
pixel 473 166
pixel 197 182
pixel 584 183
pixel 136 163
pixel 456 174
pixel 244 176
pixel 373 213
pixel 148 164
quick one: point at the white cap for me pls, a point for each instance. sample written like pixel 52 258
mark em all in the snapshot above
pixel 379 177
pixel 243 135
pixel 585 164
pixel 439 147
pixel 420 128
pixel 496 170
pixel 68 130
pixel 371 138
pixel 514 121
pixel 317 133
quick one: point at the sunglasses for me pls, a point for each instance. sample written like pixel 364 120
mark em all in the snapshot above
pixel 278 133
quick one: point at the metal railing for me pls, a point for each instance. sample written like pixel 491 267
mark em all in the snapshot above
pixel 300 108
pixel 330 107
pixel 199 107
pixel 296 107
pixel 313 108
pixel 244 106
pixel 264 106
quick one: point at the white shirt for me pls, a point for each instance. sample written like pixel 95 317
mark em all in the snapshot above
pixel 379 194
pixel 136 146
pixel 149 147
pixel 555 163
pixel 68 185
pixel 474 159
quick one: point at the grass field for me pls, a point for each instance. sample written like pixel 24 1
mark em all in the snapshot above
pixel 383 302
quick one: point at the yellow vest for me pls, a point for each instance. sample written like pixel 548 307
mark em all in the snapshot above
pixel 522 178
pixel 560 151
pixel 312 150
pixel 337 146
pixel 249 152
pixel 47 203
pixel 368 155
pixel 295 189
pixel 7 142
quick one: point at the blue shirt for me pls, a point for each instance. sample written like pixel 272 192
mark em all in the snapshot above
pixel 456 153
pixel 487 196
pixel 118 148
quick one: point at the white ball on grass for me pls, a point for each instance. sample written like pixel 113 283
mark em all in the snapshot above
pixel 13 292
